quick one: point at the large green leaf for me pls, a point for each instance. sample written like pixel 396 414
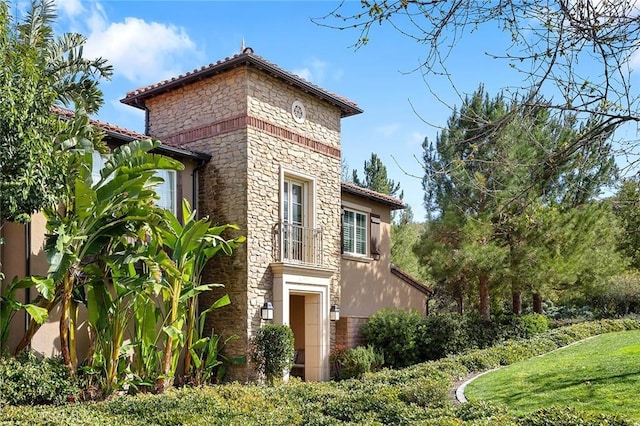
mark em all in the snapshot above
pixel 38 313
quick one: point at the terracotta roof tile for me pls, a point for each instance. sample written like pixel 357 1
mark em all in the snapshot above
pixel 393 202
pixel 247 57
pixel 121 132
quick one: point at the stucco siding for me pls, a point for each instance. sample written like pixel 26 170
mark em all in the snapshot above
pixel 367 285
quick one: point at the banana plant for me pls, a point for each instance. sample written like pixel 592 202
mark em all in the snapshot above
pixel 9 305
pixel 119 202
pixel 206 352
pixel 110 297
pixel 189 245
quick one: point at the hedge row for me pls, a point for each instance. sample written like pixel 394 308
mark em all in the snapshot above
pixel 414 395
pixel 407 337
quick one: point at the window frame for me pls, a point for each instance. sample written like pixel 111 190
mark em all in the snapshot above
pixel 353 251
pixel 173 190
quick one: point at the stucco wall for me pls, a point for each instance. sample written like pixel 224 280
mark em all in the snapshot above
pixel 368 285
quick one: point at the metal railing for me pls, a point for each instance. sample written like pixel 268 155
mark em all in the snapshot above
pixel 297 244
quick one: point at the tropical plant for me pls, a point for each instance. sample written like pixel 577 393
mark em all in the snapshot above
pixel 9 304
pixel 95 213
pixel 189 245
pixel 40 69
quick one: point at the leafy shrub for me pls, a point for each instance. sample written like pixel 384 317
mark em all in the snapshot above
pixel 441 335
pixel 413 395
pixel 393 331
pixel 273 351
pixel 480 410
pixel 430 392
pixel 530 325
pixel 32 380
pixel 355 362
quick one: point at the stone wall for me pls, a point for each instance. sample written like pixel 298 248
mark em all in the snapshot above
pixel 243 119
pixel 216 98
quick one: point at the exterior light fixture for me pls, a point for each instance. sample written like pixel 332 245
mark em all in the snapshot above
pixel 266 312
pixel 334 313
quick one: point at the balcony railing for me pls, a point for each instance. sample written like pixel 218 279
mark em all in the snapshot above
pixel 297 244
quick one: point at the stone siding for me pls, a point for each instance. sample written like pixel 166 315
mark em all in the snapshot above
pixel 271 100
pixel 241 183
pixel 217 98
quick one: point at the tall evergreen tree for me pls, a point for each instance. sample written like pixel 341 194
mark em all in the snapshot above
pixel 626 205
pixel 376 179
pixel 491 168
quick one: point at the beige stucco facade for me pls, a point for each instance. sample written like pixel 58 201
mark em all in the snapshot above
pixel 367 282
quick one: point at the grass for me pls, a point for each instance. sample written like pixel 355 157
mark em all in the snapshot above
pixel 601 375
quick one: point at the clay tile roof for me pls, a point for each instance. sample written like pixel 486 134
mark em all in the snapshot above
pixel 413 282
pixel 138 97
pixel 393 202
pixel 118 132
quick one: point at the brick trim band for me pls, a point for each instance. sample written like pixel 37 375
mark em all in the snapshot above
pixel 243 121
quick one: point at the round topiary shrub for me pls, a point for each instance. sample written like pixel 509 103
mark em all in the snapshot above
pixel 272 351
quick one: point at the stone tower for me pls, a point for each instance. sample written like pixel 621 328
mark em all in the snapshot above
pixel 275 171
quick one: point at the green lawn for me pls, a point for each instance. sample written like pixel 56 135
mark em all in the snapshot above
pixel 601 374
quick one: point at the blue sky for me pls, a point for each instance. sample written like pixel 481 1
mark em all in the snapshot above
pixel 147 41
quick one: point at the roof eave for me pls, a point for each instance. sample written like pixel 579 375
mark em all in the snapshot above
pixel 138 100
pixel 355 192
pixel 167 149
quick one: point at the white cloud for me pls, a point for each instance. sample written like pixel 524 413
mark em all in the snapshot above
pixel 71 8
pixel 140 51
pixel 388 130
pixel 315 71
pixel 415 139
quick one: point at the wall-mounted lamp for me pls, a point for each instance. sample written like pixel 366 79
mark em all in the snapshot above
pixel 266 312
pixel 376 256
pixel 334 313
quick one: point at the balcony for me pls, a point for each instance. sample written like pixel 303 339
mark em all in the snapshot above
pixel 297 244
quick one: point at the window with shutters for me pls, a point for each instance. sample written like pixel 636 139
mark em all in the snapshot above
pixel 354 233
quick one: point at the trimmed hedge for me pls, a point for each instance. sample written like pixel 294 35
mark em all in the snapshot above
pixel 406 337
pixel 415 395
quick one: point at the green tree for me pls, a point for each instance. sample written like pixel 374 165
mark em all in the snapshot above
pixel 495 183
pixel 39 70
pixel 404 235
pixel 626 205
pixel 376 179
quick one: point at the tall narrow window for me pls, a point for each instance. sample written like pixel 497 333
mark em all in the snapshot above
pixel 167 190
pixel 98 164
pixel 354 228
pixel 294 220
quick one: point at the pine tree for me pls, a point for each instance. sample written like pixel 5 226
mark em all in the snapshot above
pixel 490 168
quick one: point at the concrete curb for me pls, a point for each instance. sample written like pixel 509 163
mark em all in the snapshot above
pixel 460 389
